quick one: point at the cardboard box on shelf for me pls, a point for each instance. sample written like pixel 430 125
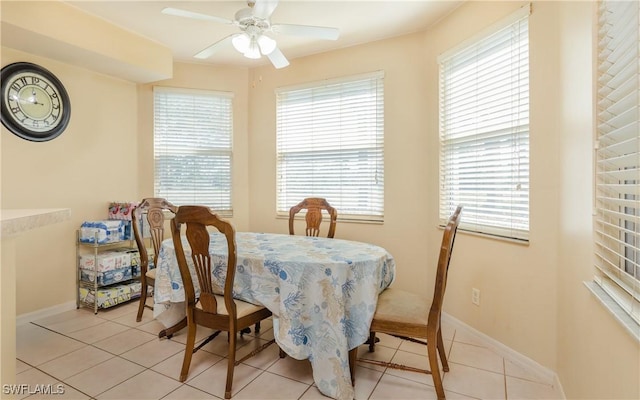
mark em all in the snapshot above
pixel 102 232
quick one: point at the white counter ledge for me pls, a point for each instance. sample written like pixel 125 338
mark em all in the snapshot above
pixel 16 221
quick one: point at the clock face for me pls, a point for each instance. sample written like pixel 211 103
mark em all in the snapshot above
pixel 35 105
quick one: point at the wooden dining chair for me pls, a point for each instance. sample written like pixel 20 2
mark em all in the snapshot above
pixel 313 218
pixel 152 209
pixel 214 307
pixel 408 316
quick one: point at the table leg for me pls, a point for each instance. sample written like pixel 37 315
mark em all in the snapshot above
pixel 353 356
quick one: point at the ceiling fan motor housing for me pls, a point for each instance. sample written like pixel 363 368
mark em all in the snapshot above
pixel 245 19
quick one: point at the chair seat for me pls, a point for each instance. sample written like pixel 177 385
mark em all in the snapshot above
pixel 396 306
pixel 242 307
pixel 151 274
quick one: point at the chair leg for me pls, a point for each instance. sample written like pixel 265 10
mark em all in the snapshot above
pixel 231 364
pixel 143 300
pixel 188 350
pixel 372 342
pixel 432 353
pixel 442 352
pixel 257 327
pixel 168 332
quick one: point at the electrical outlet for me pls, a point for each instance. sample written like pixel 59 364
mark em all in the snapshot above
pixel 475 296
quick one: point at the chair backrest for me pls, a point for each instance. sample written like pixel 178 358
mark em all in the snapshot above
pixel 314 207
pixel 153 208
pixel 446 249
pixel 197 219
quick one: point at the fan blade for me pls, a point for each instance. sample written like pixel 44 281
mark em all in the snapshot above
pixel 319 32
pixel 264 8
pixel 190 14
pixel 278 59
pixel 209 51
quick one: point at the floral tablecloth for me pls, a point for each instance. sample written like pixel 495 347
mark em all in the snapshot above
pixel 322 293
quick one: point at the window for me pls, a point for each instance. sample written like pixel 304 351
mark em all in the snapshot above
pixel 484 130
pixel 617 197
pixel 193 133
pixel 330 144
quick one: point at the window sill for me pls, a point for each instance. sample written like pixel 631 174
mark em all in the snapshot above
pixel 630 325
pixel 340 220
pixel 521 242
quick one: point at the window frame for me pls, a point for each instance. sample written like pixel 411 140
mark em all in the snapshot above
pixel 287 129
pixel 616 199
pixel 480 219
pixel 224 207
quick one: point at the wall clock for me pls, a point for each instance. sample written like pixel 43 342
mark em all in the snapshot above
pixel 35 105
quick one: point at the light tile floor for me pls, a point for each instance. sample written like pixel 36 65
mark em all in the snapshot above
pixel 111 356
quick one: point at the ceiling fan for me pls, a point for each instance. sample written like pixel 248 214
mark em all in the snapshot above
pixel 254 23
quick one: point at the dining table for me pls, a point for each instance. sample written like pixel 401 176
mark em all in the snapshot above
pixel 322 293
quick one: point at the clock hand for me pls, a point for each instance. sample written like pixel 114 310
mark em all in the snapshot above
pixel 23 101
pixel 28 100
pixel 32 99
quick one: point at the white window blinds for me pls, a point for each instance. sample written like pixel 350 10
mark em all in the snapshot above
pixel 484 130
pixel 193 133
pixel 330 144
pixel 617 201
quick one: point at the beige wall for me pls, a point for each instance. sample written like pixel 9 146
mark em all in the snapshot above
pixel 60 31
pixel 522 279
pixel 517 282
pixel 533 299
pixel 596 357
pixel 405 228
pixel 105 154
pixel 91 163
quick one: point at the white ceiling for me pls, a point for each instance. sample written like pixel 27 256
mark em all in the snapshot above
pixel 359 21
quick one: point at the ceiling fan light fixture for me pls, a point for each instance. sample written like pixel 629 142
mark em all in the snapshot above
pixel 267 45
pixel 241 42
pixel 253 51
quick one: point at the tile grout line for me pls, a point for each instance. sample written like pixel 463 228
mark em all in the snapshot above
pixel 377 382
pixel 504 366
pixel 98 348
pixel 57 379
pixel 262 368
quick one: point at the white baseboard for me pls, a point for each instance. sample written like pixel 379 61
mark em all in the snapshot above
pixel 543 373
pixel 45 312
